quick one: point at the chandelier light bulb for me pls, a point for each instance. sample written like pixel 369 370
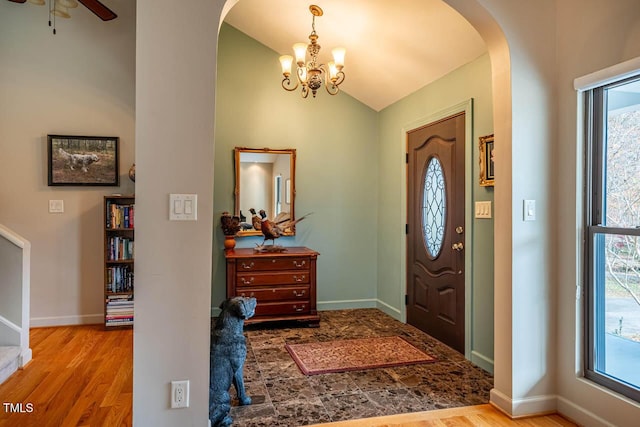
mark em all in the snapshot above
pixel 338 56
pixel 333 71
pixel 302 73
pixel 286 61
pixel 300 50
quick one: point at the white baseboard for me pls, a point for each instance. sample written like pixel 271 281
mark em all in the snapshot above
pixel 482 361
pixel 85 319
pixel 387 309
pixel 518 408
pixel 346 304
pixel 544 405
pixel 580 415
pixel 25 357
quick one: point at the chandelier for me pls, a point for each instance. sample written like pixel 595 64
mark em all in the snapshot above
pixel 311 75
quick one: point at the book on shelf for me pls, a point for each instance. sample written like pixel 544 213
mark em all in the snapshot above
pixel 119 279
pixel 120 215
pixel 119 316
pixel 117 303
pixel 122 322
pixel 119 297
pixel 120 248
pixel 120 310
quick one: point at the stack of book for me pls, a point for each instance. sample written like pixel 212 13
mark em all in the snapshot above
pixel 119 310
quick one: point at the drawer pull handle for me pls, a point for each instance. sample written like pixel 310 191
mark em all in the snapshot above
pixel 248 266
pixel 252 294
pixel 299 279
pixel 299 264
pixel 299 294
pixel 245 281
pixel 273 261
pixel 298 309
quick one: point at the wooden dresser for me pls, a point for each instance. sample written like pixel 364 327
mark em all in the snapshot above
pixel 284 283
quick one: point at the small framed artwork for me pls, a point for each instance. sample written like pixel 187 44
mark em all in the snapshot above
pixel 83 160
pixel 486 161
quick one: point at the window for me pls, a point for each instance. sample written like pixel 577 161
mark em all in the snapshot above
pixel 612 256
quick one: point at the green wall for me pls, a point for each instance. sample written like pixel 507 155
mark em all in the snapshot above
pixel 351 174
pixel 336 175
pixel 471 81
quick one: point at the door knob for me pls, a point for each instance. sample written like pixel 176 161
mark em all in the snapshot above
pixel 459 229
pixel 457 246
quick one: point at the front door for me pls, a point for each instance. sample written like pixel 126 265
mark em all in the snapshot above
pixel 435 239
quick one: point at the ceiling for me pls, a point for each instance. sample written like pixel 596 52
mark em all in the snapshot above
pixel 393 47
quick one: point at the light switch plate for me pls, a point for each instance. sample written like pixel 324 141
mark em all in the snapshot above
pixel 529 210
pixel 183 207
pixel 56 206
pixel 483 209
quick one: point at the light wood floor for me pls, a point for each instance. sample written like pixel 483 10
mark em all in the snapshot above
pixel 82 376
pixel 79 376
pixel 477 416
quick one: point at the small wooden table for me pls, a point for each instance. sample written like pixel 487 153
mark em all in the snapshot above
pixel 284 283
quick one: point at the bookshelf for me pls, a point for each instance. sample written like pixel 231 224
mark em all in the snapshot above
pixel 119 223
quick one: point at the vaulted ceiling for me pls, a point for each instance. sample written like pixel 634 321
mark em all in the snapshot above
pixel 393 47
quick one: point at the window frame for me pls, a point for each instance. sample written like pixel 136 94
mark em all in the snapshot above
pixel 595 102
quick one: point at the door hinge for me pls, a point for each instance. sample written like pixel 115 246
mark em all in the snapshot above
pixel 406 229
pixel 406 157
pixel 406 299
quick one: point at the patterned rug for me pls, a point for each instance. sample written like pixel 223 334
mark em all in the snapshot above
pixel 354 355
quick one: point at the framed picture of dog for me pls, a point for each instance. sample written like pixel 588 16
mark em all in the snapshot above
pixel 83 160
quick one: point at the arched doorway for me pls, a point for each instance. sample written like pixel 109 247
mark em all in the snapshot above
pixel 478 16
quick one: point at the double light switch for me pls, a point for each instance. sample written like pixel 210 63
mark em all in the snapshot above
pixel 183 207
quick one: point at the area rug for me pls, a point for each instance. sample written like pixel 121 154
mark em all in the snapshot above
pixel 353 355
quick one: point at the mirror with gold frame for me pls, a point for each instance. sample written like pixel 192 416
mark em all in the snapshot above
pixel 265 179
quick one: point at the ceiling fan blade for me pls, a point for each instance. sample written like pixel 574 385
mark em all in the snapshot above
pixel 102 11
pixel 18 1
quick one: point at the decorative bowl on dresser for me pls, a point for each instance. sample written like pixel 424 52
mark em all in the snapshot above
pixel 284 283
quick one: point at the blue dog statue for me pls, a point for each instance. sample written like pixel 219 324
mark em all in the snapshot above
pixel 228 354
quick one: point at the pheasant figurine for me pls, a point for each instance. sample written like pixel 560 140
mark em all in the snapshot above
pixel 255 219
pixel 271 230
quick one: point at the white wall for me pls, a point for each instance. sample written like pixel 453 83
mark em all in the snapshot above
pixel 78 82
pixel 175 85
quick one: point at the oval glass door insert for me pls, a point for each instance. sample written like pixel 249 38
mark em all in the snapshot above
pixel 434 205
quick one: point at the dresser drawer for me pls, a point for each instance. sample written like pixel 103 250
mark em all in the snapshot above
pixel 282 293
pixel 282 308
pixel 273 278
pixel 270 264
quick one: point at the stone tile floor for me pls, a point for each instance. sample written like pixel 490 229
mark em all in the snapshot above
pixel 283 396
